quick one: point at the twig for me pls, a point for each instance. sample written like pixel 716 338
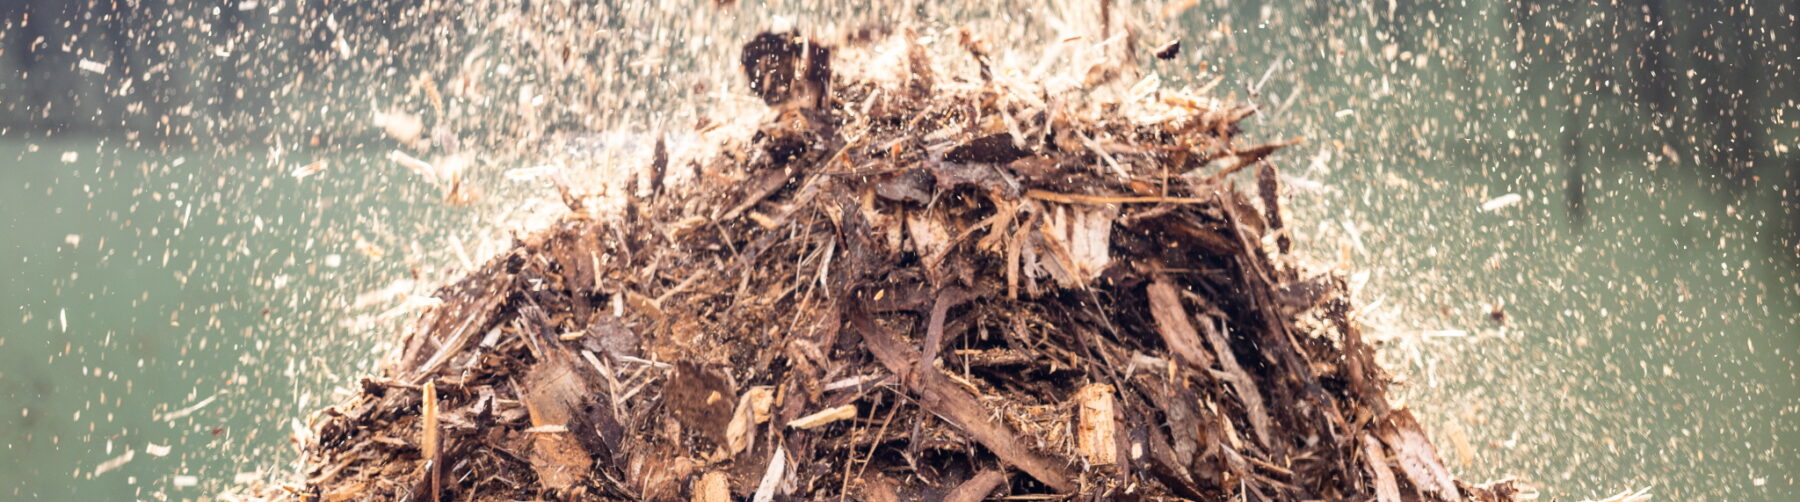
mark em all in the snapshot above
pixel 879 434
pixel 1069 198
pixel 431 445
pixel 977 488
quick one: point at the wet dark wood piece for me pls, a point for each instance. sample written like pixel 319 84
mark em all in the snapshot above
pixel 991 149
pixel 1168 50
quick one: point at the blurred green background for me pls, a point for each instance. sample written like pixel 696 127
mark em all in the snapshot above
pixel 158 254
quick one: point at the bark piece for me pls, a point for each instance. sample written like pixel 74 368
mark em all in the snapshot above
pixel 1387 489
pixel 1175 324
pixel 991 149
pixel 1417 458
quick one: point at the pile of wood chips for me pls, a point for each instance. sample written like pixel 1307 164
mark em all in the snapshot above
pixel 942 288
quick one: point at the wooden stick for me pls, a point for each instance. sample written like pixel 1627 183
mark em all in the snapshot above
pixel 822 418
pixel 431 444
pixel 978 487
pixel 934 329
pixel 1070 198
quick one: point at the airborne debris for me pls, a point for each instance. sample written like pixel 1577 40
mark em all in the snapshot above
pixel 878 296
pixel 189 410
pixel 1496 203
pixel 115 462
pixel 1169 50
pixel 1640 495
pixel 419 167
pixel 403 127
pixel 315 167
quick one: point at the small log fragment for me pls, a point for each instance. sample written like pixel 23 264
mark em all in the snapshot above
pixel 1096 433
pixel 1241 381
pixel 771 478
pixel 1169 50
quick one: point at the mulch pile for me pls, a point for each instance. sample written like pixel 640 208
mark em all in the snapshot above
pixel 948 287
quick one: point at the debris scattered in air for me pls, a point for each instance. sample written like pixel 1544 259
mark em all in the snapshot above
pixel 189 410
pixel 310 169
pixel 1497 203
pixel 116 462
pixel 1169 51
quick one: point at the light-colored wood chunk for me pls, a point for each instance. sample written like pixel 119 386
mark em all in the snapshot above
pixel 1097 425
pixel 844 412
pixel 712 487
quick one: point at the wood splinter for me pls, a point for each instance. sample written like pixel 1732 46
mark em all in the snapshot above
pixel 822 418
pixel 431 445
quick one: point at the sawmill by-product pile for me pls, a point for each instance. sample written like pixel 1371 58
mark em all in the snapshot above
pixel 944 287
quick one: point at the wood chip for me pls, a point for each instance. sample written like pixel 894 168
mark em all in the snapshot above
pixel 712 487
pixel 771 478
pixel 752 408
pixel 827 416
